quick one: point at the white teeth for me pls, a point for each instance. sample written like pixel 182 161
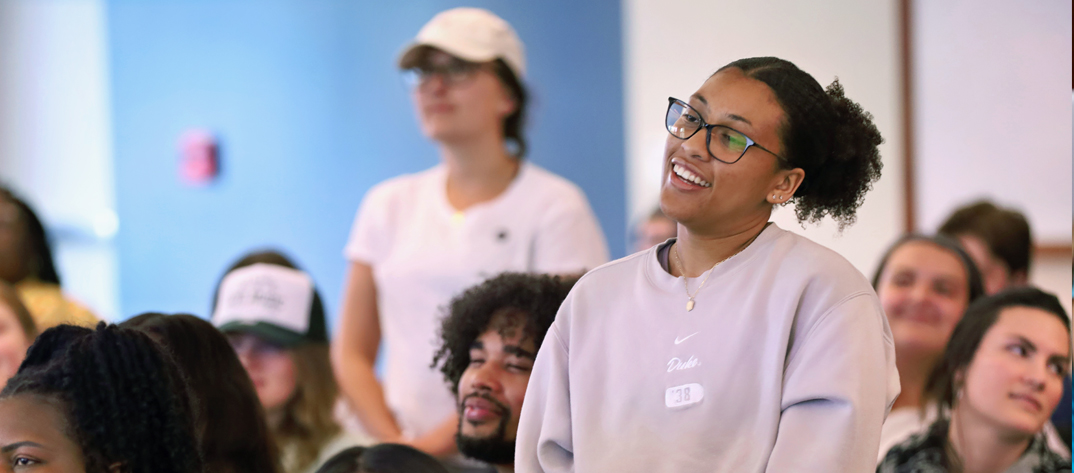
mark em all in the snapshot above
pixel 688 176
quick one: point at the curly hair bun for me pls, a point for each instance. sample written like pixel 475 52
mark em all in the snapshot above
pixel 839 183
pixel 824 133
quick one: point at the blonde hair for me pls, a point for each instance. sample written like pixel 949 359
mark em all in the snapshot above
pixel 307 422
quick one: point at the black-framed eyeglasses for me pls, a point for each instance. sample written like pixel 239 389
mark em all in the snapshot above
pixel 453 72
pixel 730 145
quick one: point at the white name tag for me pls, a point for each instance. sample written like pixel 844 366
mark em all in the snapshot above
pixel 684 395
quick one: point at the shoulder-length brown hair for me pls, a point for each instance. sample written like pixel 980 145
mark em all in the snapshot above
pixel 230 423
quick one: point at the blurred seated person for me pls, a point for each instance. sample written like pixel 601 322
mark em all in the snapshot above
pixel 17 332
pixel 654 230
pixel 924 285
pixel 26 263
pixel 998 239
pixel 228 418
pixel 489 341
pixel 1001 376
pixel 383 458
pixel 1000 242
pixel 273 316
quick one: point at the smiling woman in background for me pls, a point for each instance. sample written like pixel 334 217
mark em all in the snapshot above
pixel 1000 378
pixel 738 346
pixel 924 284
pixel 420 239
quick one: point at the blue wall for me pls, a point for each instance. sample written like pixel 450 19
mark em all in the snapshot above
pixel 311 112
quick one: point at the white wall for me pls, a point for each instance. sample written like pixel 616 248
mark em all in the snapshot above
pixel 671 47
pixel 55 135
pixel 991 110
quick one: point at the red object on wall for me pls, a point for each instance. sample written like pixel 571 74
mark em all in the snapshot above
pixel 198 157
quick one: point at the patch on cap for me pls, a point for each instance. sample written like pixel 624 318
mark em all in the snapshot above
pixel 268 294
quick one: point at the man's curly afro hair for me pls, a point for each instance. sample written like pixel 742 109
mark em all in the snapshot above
pixel 532 299
pixel 824 133
pixel 123 396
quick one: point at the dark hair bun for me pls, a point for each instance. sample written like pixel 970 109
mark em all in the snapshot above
pixel 837 185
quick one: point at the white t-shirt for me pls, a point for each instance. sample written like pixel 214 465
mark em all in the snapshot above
pixel 423 252
pixel 786 363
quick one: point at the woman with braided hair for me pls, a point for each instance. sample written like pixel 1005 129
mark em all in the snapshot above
pixel 737 346
pixel 96 401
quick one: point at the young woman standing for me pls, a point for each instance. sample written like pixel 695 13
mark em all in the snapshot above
pixel 738 346
pixel 419 239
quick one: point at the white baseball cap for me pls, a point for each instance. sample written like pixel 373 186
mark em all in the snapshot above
pixel 471 34
pixel 280 304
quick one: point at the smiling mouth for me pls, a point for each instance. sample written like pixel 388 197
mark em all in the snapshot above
pixel 688 176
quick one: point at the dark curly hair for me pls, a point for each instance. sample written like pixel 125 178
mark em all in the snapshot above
pixel 533 299
pixel 123 395
pixel 825 134
pixel 230 422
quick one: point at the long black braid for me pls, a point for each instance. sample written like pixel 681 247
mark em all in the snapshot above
pixel 125 399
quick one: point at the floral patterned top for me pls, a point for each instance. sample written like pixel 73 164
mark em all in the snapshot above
pixel 926 453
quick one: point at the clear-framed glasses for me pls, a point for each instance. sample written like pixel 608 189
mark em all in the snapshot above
pixel 725 144
pixel 453 72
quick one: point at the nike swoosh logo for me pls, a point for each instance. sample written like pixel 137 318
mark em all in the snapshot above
pixel 683 339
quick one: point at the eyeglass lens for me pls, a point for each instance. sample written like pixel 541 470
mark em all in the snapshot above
pixel 452 72
pixel 724 143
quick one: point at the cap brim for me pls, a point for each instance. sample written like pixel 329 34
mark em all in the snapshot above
pixel 413 52
pixel 271 333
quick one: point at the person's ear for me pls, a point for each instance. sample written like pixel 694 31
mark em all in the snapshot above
pixel 958 383
pixel 785 185
pixel 509 104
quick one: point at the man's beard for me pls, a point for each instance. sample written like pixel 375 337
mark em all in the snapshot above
pixel 494 449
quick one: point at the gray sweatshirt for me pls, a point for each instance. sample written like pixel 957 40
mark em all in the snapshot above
pixel 785 364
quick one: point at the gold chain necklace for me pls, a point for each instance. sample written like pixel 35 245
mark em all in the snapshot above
pixel 678 259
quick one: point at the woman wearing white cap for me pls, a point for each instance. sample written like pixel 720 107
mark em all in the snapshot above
pixel 419 239
pixel 274 318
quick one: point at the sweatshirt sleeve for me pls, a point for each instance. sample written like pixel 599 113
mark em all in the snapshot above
pixel 839 383
pixel 544 441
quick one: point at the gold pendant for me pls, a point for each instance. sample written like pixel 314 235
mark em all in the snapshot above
pixel 690 305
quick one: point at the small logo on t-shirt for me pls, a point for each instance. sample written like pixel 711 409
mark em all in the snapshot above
pixel 683 339
pixel 501 235
pixel 677 364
